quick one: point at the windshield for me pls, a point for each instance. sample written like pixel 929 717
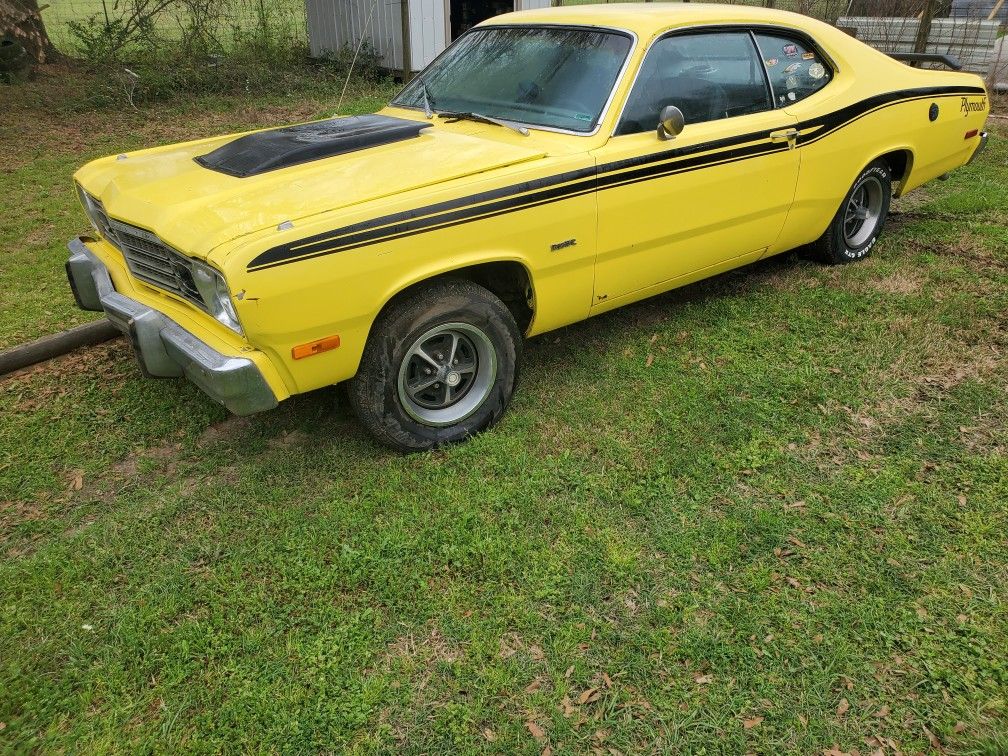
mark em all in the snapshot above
pixel 558 77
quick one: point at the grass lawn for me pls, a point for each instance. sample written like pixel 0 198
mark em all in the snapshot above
pixel 765 513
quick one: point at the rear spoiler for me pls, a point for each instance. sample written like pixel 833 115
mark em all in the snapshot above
pixel 911 57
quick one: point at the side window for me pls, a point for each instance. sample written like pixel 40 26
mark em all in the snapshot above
pixel 707 76
pixel 796 70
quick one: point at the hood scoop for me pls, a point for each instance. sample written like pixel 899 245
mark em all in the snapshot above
pixel 273 149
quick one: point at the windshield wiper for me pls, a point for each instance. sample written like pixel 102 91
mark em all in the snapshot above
pixel 468 115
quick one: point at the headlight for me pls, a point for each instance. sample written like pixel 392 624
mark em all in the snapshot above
pixel 215 295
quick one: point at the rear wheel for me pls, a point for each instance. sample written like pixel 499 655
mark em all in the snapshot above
pixel 858 223
pixel 439 366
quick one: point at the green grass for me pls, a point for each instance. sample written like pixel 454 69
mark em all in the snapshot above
pixel 799 503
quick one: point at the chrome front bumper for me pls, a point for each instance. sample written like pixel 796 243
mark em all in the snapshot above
pixel 163 347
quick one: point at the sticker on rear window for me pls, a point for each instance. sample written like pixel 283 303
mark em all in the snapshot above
pixel 793 67
pixel 817 71
pixel 772 62
pixel 791 51
pixel 808 56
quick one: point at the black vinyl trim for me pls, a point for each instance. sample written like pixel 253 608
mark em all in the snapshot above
pixel 576 183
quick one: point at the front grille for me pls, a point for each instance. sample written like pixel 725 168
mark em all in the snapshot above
pixel 152 261
pixel 102 219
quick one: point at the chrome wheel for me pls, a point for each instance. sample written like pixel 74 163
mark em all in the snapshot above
pixel 863 212
pixel 447 374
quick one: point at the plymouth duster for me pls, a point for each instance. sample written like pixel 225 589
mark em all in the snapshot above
pixel 548 166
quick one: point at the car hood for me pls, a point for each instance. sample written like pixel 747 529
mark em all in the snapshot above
pixel 195 209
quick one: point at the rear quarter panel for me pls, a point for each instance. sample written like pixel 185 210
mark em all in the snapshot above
pixel 875 106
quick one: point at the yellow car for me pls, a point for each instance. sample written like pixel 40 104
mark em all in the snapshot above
pixel 550 165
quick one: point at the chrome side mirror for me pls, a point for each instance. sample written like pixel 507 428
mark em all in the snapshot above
pixel 671 122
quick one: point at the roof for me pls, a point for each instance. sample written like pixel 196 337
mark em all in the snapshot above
pixel 648 18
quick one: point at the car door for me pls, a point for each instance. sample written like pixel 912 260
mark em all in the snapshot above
pixel 716 195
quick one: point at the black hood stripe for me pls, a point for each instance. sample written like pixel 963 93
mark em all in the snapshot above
pixel 576 183
pixel 273 149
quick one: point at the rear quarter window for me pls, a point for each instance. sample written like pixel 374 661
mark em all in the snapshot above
pixel 796 70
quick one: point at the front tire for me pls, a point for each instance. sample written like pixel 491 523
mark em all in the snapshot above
pixel 858 223
pixel 440 365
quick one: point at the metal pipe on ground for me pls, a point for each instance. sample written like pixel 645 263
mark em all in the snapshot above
pixel 56 345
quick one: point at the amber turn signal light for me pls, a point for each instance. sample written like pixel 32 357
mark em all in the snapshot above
pixel 315 347
pixel 973 133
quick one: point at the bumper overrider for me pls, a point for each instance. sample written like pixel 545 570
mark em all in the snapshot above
pixel 163 347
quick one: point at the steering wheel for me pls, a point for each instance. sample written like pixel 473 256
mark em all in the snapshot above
pixel 703 69
pixel 528 91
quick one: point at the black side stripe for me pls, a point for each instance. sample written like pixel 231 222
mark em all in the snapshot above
pixel 848 115
pixel 396 230
pixel 479 213
pixel 521 196
pixel 576 183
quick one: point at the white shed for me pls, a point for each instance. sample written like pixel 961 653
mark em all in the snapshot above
pixel 431 25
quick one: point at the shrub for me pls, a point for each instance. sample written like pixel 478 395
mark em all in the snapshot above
pixel 155 49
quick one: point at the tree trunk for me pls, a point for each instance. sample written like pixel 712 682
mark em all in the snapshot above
pixel 21 22
pixel 924 30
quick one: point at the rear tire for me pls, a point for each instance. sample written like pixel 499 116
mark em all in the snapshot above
pixel 858 223
pixel 440 365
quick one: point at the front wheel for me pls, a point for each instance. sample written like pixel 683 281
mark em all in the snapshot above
pixel 440 365
pixel 858 223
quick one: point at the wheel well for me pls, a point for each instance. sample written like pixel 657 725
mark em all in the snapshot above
pixel 900 162
pixel 509 281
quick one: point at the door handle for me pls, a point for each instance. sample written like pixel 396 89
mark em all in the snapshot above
pixel 784 135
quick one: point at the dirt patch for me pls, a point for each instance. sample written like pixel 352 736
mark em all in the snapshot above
pixel 900 283
pixel 968 249
pixel 39 385
pixel 14 513
pixel 923 381
pixel 908 204
pixel 971 250
pixel 949 364
pixel 422 650
pixel 290 439
pixel 226 428
pixel 40 236
pixel 165 454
